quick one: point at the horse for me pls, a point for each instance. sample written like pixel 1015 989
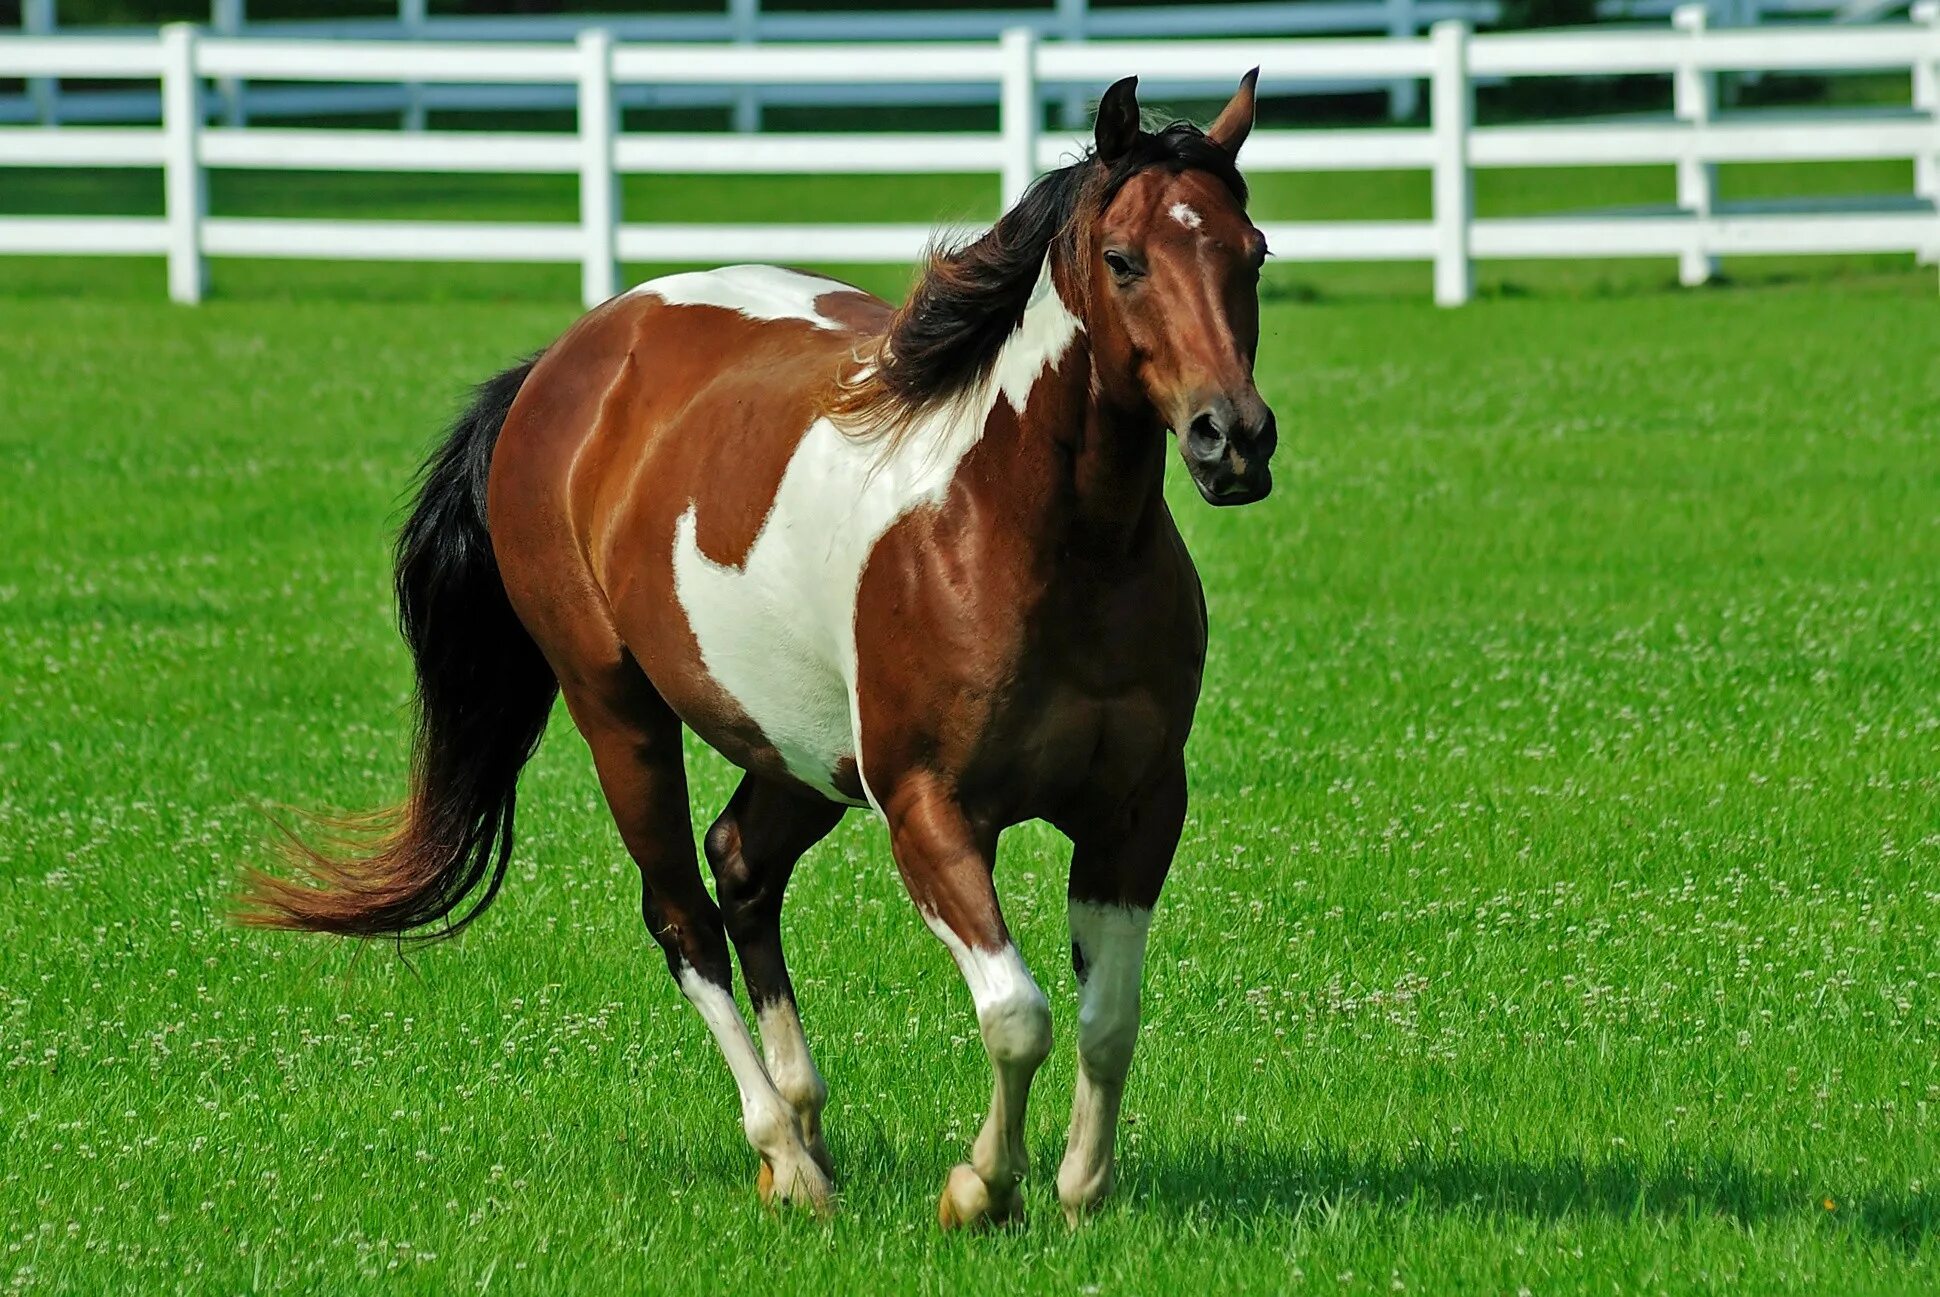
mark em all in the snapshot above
pixel 913 559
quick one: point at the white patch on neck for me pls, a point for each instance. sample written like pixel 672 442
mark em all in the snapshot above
pixel 778 633
pixel 1184 215
pixel 758 292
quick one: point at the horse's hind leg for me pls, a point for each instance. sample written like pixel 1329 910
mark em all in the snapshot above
pixel 635 741
pixel 752 849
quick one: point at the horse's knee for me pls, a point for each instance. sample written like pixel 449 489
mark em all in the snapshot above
pixel 1016 1026
pixel 1105 1044
pixel 722 844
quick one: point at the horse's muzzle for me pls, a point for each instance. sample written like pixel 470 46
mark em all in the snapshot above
pixel 1227 446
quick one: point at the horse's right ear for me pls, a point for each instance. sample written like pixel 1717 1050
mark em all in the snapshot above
pixel 1117 120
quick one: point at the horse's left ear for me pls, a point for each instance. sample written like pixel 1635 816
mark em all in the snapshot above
pixel 1117 119
pixel 1236 119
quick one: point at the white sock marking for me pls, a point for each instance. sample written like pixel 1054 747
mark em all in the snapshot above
pixel 1001 986
pixel 1015 1020
pixel 767 1120
pixel 785 1047
pixel 1111 939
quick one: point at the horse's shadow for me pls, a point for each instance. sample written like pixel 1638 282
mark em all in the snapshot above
pixel 1238 1182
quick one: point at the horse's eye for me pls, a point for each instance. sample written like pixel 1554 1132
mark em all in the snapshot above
pixel 1122 267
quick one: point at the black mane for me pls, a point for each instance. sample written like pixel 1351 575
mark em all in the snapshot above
pixel 970 298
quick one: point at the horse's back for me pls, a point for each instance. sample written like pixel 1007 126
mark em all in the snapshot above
pixel 642 462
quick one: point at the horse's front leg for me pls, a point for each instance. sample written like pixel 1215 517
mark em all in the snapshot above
pixel 946 863
pixel 1116 874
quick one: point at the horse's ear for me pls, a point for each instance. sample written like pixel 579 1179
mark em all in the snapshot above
pixel 1117 120
pixel 1235 121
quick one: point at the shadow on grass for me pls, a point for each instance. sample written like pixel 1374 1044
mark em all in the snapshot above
pixel 1243 1182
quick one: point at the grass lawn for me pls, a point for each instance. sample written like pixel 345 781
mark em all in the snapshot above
pixel 1557 910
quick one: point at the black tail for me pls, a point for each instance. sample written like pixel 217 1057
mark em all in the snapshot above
pixel 484 692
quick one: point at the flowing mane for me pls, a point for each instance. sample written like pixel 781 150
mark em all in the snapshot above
pixel 944 339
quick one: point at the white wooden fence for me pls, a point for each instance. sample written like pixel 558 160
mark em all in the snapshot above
pixel 745 22
pixel 1696 231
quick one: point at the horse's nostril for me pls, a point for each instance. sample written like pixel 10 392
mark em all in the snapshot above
pixel 1204 440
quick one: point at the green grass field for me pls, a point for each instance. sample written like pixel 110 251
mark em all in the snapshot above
pixel 1558 909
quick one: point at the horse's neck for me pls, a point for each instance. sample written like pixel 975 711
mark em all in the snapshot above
pixel 1088 475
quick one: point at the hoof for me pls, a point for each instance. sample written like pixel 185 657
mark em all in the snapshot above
pixel 967 1203
pixel 1080 1201
pixel 806 1187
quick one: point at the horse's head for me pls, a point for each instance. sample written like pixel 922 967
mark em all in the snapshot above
pixel 1173 306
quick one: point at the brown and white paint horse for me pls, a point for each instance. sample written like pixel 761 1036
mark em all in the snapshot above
pixel 913 559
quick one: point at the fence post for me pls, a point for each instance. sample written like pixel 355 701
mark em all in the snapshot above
pixel 1404 97
pixel 226 19
pixel 1926 99
pixel 411 16
pixel 599 189
pixel 1074 23
pixel 744 19
pixel 37 19
pixel 1693 101
pixel 1451 104
pixel 184 185
pixel 1018 113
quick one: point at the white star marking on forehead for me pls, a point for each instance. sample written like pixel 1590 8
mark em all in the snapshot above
pixel 1184 215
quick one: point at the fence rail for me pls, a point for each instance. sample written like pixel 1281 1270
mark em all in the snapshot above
pixel 745 22
pixel 596 69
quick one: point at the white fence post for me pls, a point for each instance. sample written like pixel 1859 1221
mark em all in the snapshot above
pixel 1926 99
pixel 744 18
pixel 1451 104
pixel 1018 112
pixel 37 19
pixel 411 16
pixel 226 19
pixel 1694 100
pixel 1073 24
pixel 599 189
pixel 184 185
pixel 1404 97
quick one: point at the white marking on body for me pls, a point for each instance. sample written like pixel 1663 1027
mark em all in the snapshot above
pixel 758 292
pixel 1184 215
pixel 766 1117
pixel 1111 942
pixel 778 633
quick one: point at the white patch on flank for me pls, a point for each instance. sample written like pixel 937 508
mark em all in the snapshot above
pixel 765 1117
pixel 758 292
pixel 1184 215
pixel 778 633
